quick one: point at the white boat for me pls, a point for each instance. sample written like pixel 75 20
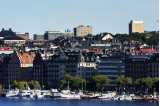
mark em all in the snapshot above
pixel 107 96
pixel 12 93
pixel 24 94
pixel 123 97
pixel 67 94
pixel 46 93
pixel 39 94
pixel 55 93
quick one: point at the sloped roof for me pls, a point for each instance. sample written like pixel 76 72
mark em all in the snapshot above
pixel 26 59
pixel 106 37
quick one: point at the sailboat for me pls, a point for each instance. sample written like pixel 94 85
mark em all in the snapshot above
pixel 67 94
pixel 11 93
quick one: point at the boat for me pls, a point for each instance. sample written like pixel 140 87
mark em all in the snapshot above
pixel 39 94
pixel 46 93
pixel 55 93
pixel 123 98
pixel 67 94
pixel 24 94
pixel 12 93
pixel 107 96
pixel 90 96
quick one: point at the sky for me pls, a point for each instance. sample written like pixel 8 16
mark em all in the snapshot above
pixel 37 16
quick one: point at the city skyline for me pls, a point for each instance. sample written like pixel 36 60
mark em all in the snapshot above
pixel 104 16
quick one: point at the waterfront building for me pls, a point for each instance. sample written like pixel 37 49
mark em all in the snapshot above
pixel 73 59
pixel 55 70
pixel 16 66
pixel 136 26
pixel 39 70
pixel 111 65
pixel 82 31
pixel 87 65
pixel 49 71
pixel 139 66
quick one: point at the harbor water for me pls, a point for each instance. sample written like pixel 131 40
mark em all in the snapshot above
pixel 51 102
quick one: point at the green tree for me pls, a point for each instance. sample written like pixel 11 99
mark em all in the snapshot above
pixel 22 85
pixel 124 82
pixel 121 80
pixel 15 84
pixel 34 84
pixel 75 82
pixel 129 81
pixel 1 89
pixel 100 81
pixel 156 83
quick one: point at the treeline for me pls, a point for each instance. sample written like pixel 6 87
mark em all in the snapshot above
pixel 150 38
pixel 22 85
pixel 100 82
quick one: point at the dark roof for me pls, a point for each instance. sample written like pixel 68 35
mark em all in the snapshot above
pixel 13 38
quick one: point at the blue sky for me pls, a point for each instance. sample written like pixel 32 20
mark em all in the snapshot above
pixel 37 16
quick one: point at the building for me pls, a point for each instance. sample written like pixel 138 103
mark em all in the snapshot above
pixel 72 61
pixel 16 66
pixel 136 27
pixel 40 70
pixel 49 71
pixel 55 70
pixel 24 36
pixel 111 66
pixel 82 31
pixel 10 38
pixel 87 65
pixel 37 37
pixel 52 35
pixel 140 66
pixel 6 50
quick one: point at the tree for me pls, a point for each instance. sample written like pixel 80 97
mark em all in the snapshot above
pixel 1 90
pixel 129 81
pixel 120 80
pixel 145 84
pixel 148 82
pixel 75 82
pixel 124 82
pixel 100 81
pixel 22 85
pixel 156 83
pixel 34 84
pixel 15 84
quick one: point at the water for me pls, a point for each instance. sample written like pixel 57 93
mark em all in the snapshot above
pixel 9 102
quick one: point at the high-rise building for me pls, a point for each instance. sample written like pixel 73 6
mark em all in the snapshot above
pixel 136 27
pixel 82 31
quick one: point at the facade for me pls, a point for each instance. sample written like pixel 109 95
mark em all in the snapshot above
pixel 55 70
pixel 10 38
pixel 111 66
pixel 136 27
pixel 38 37
pixel 82 31
pixel 24 36
pixel 87 65
pixel 52 35
pixel 16 66
pixel 142 66
pixel 72 61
